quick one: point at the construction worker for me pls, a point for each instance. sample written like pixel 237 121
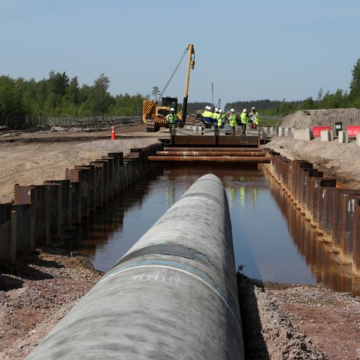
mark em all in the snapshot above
pixel 215 117
pixel 221 119
pixel 171 120
pixel 232 121
pixel 254 117
pixel 244 121
pixel 207 116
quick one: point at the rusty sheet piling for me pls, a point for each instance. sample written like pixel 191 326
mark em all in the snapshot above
pixel 223 159
pixel 319 203
pixel 347 232
pixel 356 249
pixel 7 233
pixel 25 236
pixel 66 205
pixel 331 208
pixel 40 214
pixel 98 183
pixel 54 208
pixel 211 153
pixel 218 149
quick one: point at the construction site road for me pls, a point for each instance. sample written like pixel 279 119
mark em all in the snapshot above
pixel 138 130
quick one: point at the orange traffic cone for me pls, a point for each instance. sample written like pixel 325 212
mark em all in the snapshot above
pixel 113 136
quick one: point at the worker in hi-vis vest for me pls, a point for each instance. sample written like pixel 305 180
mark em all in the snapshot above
pixel 254 117
pixel 215 117
pixel 207 116
pixel 171 120
pixel 221 119
pixel 244 121
pixel 232 121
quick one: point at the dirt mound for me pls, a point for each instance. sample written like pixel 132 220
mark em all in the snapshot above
pixel 309 118
pixel 269 331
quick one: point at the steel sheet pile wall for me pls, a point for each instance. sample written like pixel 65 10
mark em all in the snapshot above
pixel 333 210
pixel 172 296
pixel 40 214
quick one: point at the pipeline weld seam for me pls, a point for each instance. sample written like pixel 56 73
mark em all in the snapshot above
pixel 185 272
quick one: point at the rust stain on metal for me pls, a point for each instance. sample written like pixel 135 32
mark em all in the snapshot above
pixel 238 159
pixel 332 207
pixel 210 153
pixel 241 149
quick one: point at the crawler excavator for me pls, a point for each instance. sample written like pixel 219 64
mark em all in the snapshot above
pixel 154 114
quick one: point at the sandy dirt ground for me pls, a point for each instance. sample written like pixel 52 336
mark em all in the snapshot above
pixel 33 163
pixel 280 321
pixel 341 161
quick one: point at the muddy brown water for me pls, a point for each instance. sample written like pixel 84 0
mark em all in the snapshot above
pixel 272 240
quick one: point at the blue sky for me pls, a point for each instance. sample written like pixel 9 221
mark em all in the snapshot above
pixel 249 49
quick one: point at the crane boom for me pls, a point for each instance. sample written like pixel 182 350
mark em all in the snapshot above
pixel 191 65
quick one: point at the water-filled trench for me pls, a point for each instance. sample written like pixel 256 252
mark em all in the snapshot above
pixel 272 240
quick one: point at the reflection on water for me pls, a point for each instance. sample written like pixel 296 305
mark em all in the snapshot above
pixel 271 238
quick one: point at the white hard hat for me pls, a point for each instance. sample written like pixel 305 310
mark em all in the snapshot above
pixel 216 109
pixel 206 107
pixel 244 110
pixel 232 110
pixel 253 108
pixel 172 109
pixel 220 110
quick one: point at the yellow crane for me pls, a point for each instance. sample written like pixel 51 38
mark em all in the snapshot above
pixel 154 114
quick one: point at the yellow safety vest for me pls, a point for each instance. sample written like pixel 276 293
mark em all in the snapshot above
pixel 171 119
pixel 221 119
pixel 215 116
pixel 244 118
pixel 207 114
pixel 233 122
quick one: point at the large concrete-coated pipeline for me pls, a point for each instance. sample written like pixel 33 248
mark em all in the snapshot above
pixel 173 295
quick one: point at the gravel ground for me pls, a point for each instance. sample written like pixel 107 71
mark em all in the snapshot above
pixel 35 294
pixel 292 321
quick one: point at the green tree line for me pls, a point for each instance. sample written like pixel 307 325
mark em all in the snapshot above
pixel 328 100
pixel 23 102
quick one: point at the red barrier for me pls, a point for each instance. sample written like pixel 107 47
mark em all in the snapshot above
pixel 353 130
pixel 316 130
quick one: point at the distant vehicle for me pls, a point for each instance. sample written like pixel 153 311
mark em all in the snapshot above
pixel 154 115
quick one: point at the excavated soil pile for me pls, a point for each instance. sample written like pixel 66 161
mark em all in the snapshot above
pixel 309 118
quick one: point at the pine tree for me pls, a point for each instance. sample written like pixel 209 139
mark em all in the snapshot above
pixel 355 82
